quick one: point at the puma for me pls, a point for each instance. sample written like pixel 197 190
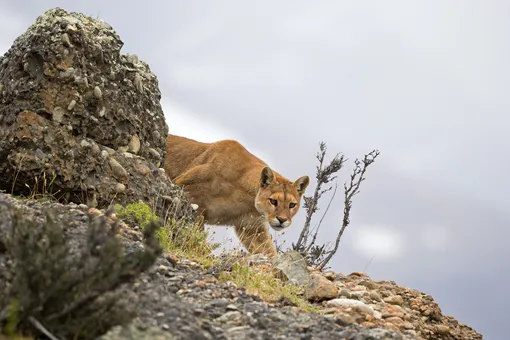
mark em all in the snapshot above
pixel 232 187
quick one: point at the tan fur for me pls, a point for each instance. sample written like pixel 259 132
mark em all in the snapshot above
pixel 232 187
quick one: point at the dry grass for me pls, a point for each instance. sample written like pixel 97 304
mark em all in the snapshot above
pixel 42 188
pixel 190 240
pixel 182 236
pixel 264 284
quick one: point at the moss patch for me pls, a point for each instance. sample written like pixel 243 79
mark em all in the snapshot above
pixel 137 213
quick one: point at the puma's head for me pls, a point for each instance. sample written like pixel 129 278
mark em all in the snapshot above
pixel 279 199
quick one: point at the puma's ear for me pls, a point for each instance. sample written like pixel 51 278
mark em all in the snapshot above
pixel 266 177
pixel 301 183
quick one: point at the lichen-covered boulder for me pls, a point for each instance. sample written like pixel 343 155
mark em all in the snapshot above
pixel 67 68
pixel 79 118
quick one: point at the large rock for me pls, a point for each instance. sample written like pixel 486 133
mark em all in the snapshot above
pixel 77 117
pixel 291 266
pixel 67 68
pixel 319 288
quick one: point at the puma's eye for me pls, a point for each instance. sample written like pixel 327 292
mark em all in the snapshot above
pixel 273 202
pixel 292 205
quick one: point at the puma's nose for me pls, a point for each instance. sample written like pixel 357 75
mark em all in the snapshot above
pixel 281 220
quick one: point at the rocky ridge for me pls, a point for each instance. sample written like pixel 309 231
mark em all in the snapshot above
pixel 178 299
pixel 371 303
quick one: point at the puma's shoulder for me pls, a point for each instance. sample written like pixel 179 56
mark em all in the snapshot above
pixel 234 154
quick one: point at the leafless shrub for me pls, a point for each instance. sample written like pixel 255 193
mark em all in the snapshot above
pixel 318 255
pixel 61 287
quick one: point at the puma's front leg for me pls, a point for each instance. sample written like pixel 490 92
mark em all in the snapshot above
pixel 256 239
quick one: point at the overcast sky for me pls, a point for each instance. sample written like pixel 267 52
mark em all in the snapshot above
pixel 425 82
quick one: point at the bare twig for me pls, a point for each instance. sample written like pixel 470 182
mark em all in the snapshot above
pixel 350 191
pixel 368 264
pixel 318 255
pixel 324 175
pixel 310 204
pixel 41 328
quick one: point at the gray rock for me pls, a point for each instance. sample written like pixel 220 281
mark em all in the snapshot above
pixel 352 303
pixel 154 153
pixel 257 259
pixel 65 40
pixel 95 55
pixel 76 90
pixel 84 143
pixel 293 266
pixel 230 316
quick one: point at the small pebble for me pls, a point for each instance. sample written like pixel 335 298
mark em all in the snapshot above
pixel 138 82
pixel 58 114
pixel 154 153
pixel 117 169
pixel 84 143
pixel 71 105
pixel 134 144
pixel 66 40
pixel 120 188
pixel 97 92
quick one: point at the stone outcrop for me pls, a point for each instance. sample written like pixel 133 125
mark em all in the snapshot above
pixel 357 299
pixel 176 298
pixel 78 119
pixel 371 303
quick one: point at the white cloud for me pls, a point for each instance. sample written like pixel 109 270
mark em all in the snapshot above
pixel 434 237
pixel 184 122
pixel 380 242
